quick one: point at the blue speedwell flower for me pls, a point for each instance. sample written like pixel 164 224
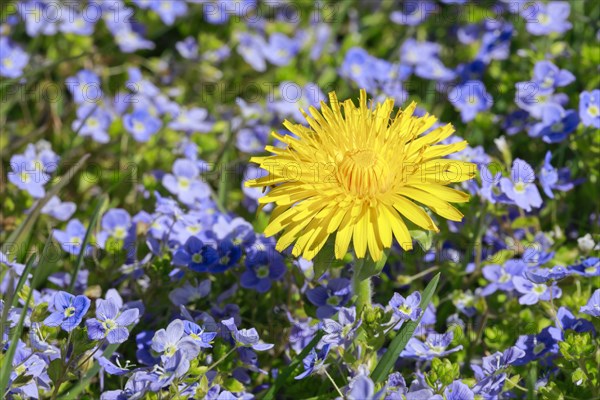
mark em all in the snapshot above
pixel 141 124
pixel 115 225
pixel 314 361
pixel 185 182
pixel 172 340
pixel 520 188
pixel 543 19
pixel 406 308
pixel 262 268
pixel 110 323
pixel 589 108
pixel 436 345
pixel 68 311
pixel 246 337
pixel 331 298
pixel 202 338
pixel 534 292
pixel 72 237
pixel 593 305
pixel 12 59
pixel 195 255
pixel 556 124
pixel 470 98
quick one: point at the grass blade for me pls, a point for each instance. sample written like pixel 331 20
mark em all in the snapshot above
pixel 284 375
pixel 85 241
pixel 388 360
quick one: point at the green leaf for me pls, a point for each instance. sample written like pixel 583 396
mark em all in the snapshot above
pixel 369 268
pixel 325 259
pixel 284 375
pixel 55 370
pixel 388 360
pixel 424 238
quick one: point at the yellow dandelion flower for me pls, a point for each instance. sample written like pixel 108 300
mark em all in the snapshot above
pixel 358 173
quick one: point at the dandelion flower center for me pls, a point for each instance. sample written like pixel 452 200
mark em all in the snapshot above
pixel 363 173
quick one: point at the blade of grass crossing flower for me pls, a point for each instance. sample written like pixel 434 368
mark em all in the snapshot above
pixel 19 236
pixel 285 374
pixel 86 240
pixel 388 360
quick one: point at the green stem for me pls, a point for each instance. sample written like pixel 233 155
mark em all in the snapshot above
pixel 362 289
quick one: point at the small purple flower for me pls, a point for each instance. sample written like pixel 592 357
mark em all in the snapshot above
pixel 520 188
pixel 194 119
pixel 251 48
pixel 195 255
pixel 361 387
pixel 436 345
pixel 314 362
pixel 458 391
pixel 68 311
pixel 413 13
pixel 262 268
pixel 589 267
pixel 173 340
pixel 537 346
pixel 141 124
pixel 168 11
pixel 62 211
pixel 112 368
pixel 500 277
pixel 110 323
pixel 331 298
pixel 516 122
pixel 556 124
pixel 12 59
pixel 85 87
pixel 31 170
pixel 185 182
pixel 202 338
pixel 115 224
pixel 77 24
pixel 555 179
pixel 548 18
pixel 341 332
pixel 593 305
pixel 534 292
pixel 489 184
pixel 406 308
pixel 280 49
pixel 414 52
pixel 71 238
pixel 188 48
pixel 189 293
pixel 470 98
pixel 549 77
pixel 435 70
pixel 246 337
pixel 589 108
pixel 93 121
